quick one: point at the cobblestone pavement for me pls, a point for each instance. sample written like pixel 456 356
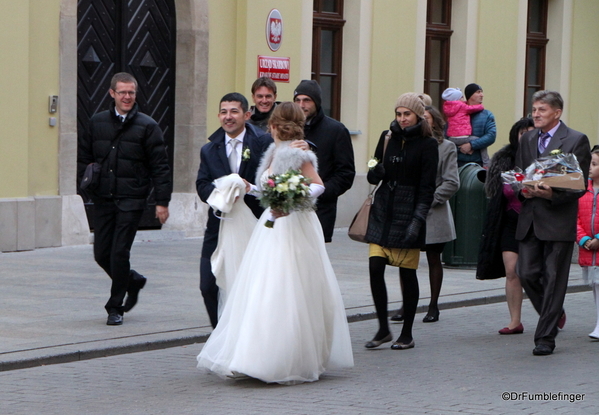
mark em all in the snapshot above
pixel 459 365
pixel 51 302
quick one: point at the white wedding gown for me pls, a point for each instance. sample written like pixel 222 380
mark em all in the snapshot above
pixel 284 320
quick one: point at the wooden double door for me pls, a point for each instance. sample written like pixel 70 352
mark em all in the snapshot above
pixel 134 36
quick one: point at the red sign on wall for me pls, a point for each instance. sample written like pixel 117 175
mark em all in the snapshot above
pixel 274 67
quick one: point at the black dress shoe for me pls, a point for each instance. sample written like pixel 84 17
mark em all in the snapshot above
pixel 402 346
pixel 542 350
pixel 376 343
pixel 398 316
pixel 431 316
pixel 114 319
pixel 133 292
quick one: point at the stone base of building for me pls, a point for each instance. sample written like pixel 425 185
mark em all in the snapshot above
pixel 41 222
pixel 349 203
pixel 51 221
pixel 188 214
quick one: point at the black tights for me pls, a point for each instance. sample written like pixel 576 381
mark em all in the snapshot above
pixel 435 276
pixel 379 294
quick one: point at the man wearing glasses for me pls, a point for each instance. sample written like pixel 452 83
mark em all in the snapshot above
pixel 131 151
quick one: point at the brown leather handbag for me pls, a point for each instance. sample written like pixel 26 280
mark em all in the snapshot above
pixel 359 225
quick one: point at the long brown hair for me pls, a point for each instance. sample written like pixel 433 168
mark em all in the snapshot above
pixel 438 127
pixel 425 129
pixel 289 119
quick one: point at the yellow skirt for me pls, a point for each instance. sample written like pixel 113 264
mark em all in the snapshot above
pixel 398 257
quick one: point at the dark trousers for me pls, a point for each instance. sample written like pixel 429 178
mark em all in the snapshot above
pixel 209 290
pixel 327 214
pixel 543 268
pixel 114 232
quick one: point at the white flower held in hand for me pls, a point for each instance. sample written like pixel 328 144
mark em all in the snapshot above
pixel 372 163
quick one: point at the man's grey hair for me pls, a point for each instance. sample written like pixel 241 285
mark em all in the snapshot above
pixel 551 98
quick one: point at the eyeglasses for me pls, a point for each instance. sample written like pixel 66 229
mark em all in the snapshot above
pixel 125 93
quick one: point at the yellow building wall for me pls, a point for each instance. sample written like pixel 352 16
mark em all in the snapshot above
pixel 14 108
pixel 392 61
pixel 44 26
pixel 583 113
pixel 222 55
pixel 496 65
pixel 29 68
pixel 234 48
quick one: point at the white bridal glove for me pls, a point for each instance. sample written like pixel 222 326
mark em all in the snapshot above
pixel 316 190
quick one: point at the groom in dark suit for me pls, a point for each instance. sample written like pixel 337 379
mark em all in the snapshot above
pixel 236 147
pixel 547 222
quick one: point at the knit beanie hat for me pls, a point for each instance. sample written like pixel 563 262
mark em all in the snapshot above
pixel 310 88
pixel 471 89
pixel 411 101
pixel 452 94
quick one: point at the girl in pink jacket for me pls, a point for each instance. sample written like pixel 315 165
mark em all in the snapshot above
pixel 588 233
pixel 457 112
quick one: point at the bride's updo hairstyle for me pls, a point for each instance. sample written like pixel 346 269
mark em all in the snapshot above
pixel 289 120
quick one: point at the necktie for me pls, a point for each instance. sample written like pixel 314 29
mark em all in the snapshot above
pixel 543 142
pixel 233 157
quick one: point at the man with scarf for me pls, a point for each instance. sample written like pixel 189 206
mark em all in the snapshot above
pixel 264 95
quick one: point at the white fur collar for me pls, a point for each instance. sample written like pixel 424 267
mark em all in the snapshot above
pixel 281 157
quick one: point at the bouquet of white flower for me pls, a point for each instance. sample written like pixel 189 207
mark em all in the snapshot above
pixel 285 193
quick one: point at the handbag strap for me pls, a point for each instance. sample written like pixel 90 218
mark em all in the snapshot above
pixel 387 138
pixel 113 143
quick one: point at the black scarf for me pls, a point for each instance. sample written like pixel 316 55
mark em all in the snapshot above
pixel 408 133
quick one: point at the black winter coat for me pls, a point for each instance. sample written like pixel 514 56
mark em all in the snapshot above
pixel 336 167
pixel 138 163
pixel 490 258
pixel 407 189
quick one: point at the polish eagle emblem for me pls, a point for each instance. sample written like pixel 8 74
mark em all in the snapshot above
pixel 276 29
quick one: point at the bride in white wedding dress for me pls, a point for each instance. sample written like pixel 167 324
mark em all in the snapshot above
pixel 284 320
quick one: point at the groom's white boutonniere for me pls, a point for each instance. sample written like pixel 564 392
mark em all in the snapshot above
pixel 372 163
pixel 246 154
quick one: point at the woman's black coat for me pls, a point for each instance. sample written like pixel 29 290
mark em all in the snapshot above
pixel 490 258
pixel 408 171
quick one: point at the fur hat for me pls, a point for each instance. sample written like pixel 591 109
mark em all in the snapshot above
pixel 310 88
pixel 471 89
pixel 411 101
pixel 452 94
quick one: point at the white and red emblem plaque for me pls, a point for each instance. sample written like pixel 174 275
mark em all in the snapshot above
pixel 274 30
